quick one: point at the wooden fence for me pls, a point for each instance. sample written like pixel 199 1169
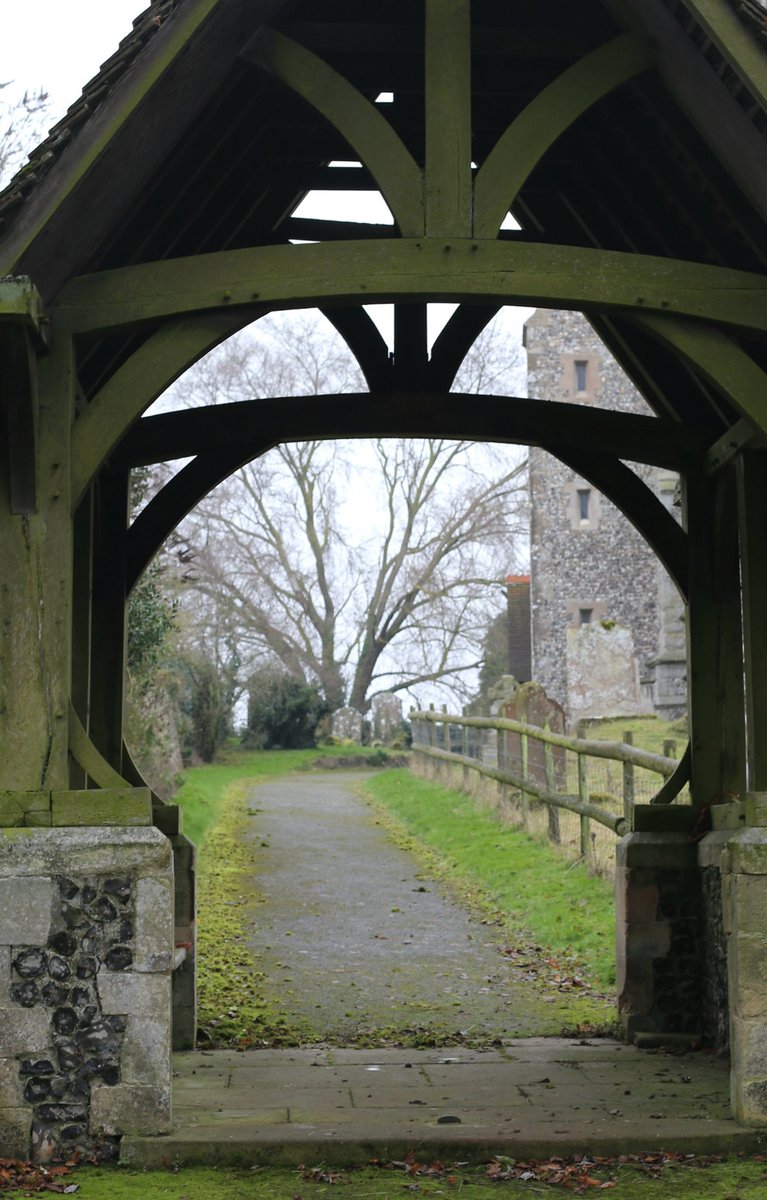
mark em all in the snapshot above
pixel 599 782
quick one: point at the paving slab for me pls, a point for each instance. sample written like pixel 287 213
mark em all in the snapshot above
pixel 279 1107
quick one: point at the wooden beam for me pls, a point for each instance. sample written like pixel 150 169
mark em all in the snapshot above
pixel 35 599
pixel 752 505
pixel 111 117
pixel 364 339
pixel 431 269
pixel 715 661
pixel 19 415
pixel 87 756
pixel 726 449
pixel 22 304
pixel 356 118
pixel 447 181
pixel 138 382
pixel 737 44
pixel 554 110
pixel 700 92
pixel 639 504
pixel 350 37
pixel 230 440
pixel 718 359
pixel 455 341
pixel 506 419
pixel 108 614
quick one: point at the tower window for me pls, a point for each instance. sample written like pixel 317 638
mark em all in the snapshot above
pixel 580 366
pixel 584 504
pixel 585 616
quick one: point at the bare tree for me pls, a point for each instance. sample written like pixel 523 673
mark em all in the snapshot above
pixel 21 126
pixel 368 566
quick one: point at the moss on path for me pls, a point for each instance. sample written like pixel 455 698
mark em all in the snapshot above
pixel 359 945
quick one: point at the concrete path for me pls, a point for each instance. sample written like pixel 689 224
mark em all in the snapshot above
pixel 534 1098
pixel 355 939
pixel 356 943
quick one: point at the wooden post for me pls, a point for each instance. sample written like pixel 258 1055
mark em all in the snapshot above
pixel 551 785
pixel 583 794
pixel 716 701
pixel 752 515
pixel 35 594
pixel 524 751
pixel 628 782
pixel 109 617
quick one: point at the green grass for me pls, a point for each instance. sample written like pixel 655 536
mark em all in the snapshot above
pixel 536 892
pixel 203 789
pixel 234 1008
pixel 736 1179
pixel 649 732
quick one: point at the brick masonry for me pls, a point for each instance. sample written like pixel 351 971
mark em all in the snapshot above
pixel 588 563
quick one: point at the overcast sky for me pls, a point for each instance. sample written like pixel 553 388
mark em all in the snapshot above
pixel 60 44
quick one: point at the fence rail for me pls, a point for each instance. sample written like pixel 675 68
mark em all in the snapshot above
pixel 598 781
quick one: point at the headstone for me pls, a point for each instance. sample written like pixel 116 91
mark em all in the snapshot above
pixel 532 706
pixel 386 716
pixel 602 672
pixel 347 725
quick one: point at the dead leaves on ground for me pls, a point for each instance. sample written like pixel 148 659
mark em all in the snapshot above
pixel 577 1175
pixel 27 1178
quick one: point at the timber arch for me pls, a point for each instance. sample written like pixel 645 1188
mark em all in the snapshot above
pixel 627 139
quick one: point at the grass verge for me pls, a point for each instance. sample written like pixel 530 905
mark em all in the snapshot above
pixel 234 1007
pixel 538 896
pixel 654 1177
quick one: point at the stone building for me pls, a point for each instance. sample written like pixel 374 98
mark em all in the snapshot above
pixel 608 636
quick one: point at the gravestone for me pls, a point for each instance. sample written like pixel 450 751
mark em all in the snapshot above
pixel 386 716
pixel 346 725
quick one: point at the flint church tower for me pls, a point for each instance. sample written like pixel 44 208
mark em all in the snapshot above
pixel 608 634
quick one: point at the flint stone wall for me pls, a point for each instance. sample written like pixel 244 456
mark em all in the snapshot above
pixel 86 955
pixel 600 563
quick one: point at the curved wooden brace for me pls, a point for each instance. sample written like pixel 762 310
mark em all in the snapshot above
pixel 89 758
pixel 510 420
pixel 357 120
pixel 363 338
pixel 169 507
pixel 720 360
pixel 518 151
pixel 363 272
pixel 640 505
pixel 238 433
pixel 137 383
pixel 456 340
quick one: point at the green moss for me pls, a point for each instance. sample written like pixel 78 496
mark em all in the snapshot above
pixel 513 878
pixel 233 1006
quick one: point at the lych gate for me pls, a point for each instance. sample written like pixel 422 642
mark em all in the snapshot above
pixel 627 138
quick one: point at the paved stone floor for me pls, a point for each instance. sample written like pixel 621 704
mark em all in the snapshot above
pixel 534 1097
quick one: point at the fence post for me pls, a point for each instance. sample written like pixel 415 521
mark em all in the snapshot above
pixel 583 794
pixel 628 783
pixel 523 753
pixel 551 786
